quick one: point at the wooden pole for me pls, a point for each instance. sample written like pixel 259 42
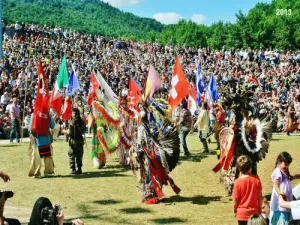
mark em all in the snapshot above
pixel 21 124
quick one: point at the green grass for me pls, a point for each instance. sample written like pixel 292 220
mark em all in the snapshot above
pixel 110 195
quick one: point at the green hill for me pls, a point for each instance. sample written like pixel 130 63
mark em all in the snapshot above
pixel 91 16
pixel 274 24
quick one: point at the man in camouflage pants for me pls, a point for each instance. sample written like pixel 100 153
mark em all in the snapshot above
pixel 76 142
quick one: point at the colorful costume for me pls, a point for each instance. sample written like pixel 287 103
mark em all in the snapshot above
pixel 250 135
pixel 155 155
pixel 40 148
pixel 128 121
pixel 157 158
pixel 104 121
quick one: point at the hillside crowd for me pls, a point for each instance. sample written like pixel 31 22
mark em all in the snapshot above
pixel 273 74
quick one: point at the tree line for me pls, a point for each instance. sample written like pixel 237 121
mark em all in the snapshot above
pixel 274 24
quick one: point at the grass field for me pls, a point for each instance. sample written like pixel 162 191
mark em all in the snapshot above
pixel 110 195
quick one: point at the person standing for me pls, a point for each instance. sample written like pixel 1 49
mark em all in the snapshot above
pixel 247 192
pixel 202 124
pixel 15 120
pixel 76 141
pixel 220 122
pixel 281 178
pixel 185 124
pixel 41 148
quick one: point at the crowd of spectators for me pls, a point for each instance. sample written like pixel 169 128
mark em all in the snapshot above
pixel 273 74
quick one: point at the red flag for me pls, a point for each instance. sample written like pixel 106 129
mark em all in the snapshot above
pixel 179 86
pixel 56 102
pixel 93 87
pixel 41 117
pixel 134 93
pixel 192 106
pixel 67 110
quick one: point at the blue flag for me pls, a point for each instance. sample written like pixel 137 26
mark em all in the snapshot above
pixel 200 84
pixel 74 84
pixel 213 88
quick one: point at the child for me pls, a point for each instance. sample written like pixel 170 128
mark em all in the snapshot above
pixel 257 220
pixel 281 186
pixel 266 210
pixel 247 192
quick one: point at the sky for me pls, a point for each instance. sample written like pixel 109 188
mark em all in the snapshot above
pixel 200 11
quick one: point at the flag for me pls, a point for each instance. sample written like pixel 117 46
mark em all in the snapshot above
pixel 153 83
pixel 107 89
pixel 74 84
pixel 179 86
pixel 67 109
pixel 134 93
pixel 192 105
pixel 211 94
pixel 213 88
pixel 94 86
pixel 62 81
pixel 57 101
pixel 41 117
pixel 63 78
pixel 208 99
pixel 200 84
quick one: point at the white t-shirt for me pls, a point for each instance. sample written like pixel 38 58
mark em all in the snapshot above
pixel 295 207
pixel 17 26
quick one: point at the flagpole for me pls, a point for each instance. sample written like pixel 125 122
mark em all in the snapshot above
pixel 22 128
pixel 83 121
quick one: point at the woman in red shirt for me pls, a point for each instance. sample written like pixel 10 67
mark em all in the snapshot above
pixel 247 192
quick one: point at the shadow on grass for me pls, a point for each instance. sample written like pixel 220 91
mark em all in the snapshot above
pixel 10 146
pixel 120 167
pixel 193 157
pixel 101 219
pixel 276 139
pixel 135 210
pixel 169 220
pixel 198 199
pixel 107 202
pixel 95 174
pixel 89 213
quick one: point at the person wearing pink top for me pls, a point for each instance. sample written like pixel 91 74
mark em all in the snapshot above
pixel 15 120
pixel 281 178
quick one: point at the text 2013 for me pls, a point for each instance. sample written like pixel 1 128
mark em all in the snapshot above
pixel 283 12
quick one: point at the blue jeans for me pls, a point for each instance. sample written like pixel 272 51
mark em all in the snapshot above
pixel 184 134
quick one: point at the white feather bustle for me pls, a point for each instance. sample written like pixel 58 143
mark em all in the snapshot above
pixel 259 136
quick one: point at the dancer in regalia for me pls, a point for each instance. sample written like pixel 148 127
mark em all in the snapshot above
pixel 155 157
pixel 104 121
pixel 127 125
pixel 40 147
pixel 249 135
